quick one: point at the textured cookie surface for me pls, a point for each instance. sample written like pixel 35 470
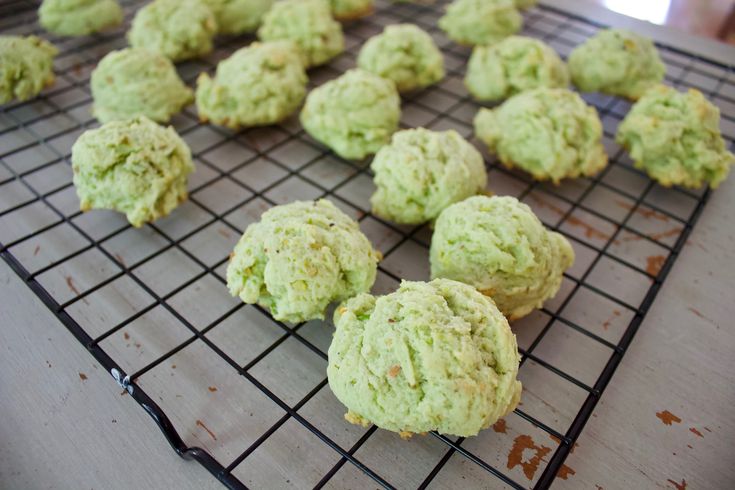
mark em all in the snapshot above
pixel 422 172
pixel 499 246
pixel 134 166
pixel 513 65
pixel 259 84
pixel 675 137
pixel 136 82
pixel 79 17
pixel 351 9
pixel 616 62
pixel 355 114
pixel 238 16
pixel 480 21
pixel 550 133
pixel 309 24
pixel 405 54
pixel 26 67
pixel 178 29
pixel 299 258
pixel 430 356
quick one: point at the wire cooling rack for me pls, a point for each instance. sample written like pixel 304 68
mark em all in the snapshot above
pixel 246 396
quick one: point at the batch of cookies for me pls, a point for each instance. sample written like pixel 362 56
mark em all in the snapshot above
pixel 436 355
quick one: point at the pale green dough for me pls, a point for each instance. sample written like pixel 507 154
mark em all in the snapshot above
pixel 238 16
pixel 422 172
pixel 79 17
pixel 675 137
pixel 133 166
pixel 178 29
pixel 525 4
pixel 259 84
pixel 299 258
pixel 136 82
pixel 550 133
pixel 26 67
pixel 430 356
pixel 499 246
pixel 616 62
pixel 354 114
pixel 351 9
pixel 513 65
pixel 309 24
pixel 405 54
pixel 480 21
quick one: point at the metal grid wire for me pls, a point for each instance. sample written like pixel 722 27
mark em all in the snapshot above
pixel 150 304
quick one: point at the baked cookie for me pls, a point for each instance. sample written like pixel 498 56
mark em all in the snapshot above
pixel 238 16
pixel 550 133
pixel 309 24
pixel 26 67
pixel 133 166
pixel 421 172
pixel 299 258
pixel 616 62
pixel 499 246
pixel 79 17
pixel 480 21
pixel 136 82
pixel 430 356
pixel 405 54
pixel 675 137
pixel 354 114
pixel 515 64
pixel 178 29
pixel 351 9
pixel 259 84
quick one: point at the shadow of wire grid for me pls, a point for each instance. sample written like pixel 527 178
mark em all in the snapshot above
pixel 248 395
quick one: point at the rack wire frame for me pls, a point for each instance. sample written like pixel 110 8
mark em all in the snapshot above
pixel 33 126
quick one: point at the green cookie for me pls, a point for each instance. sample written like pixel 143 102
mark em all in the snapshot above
pixel 351 9
pixel 26 67
pixel 238 16
pixel 616 62
pixel 405 54
pixel 511 66
pixel 136 82
pixel 79 17
pixel 299 258
pixel 133 166
pixel 550 133
pixel 430 356
pixel 480 21
pixel 354 114
pixel 675 137
pixel 258 85
pixel 499 246
pixel 422 172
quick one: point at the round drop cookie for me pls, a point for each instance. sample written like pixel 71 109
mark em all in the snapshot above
pixel 354 114
pixel 422 172
pixel 351 9
pixel 309 24
pixel 299 258
pixel 550 133
pixel 430 356
pixel 515 64
pixel 26 67
pixel 238 16
pixel 136 82
pixel 133 166
pixel 178 29
pixel 616 62
pixel 499 246
pixel 259 84
pixel 675 137
pixel 405 54
pixel 480 21
pixel 79 17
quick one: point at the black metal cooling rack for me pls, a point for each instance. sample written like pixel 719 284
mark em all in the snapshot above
pixel 85 267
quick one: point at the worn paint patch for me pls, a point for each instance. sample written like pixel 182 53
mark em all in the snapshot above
pixel 667 417
pixel 515 458
pixel 678 486
pixel 500 426
pixel 654 263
